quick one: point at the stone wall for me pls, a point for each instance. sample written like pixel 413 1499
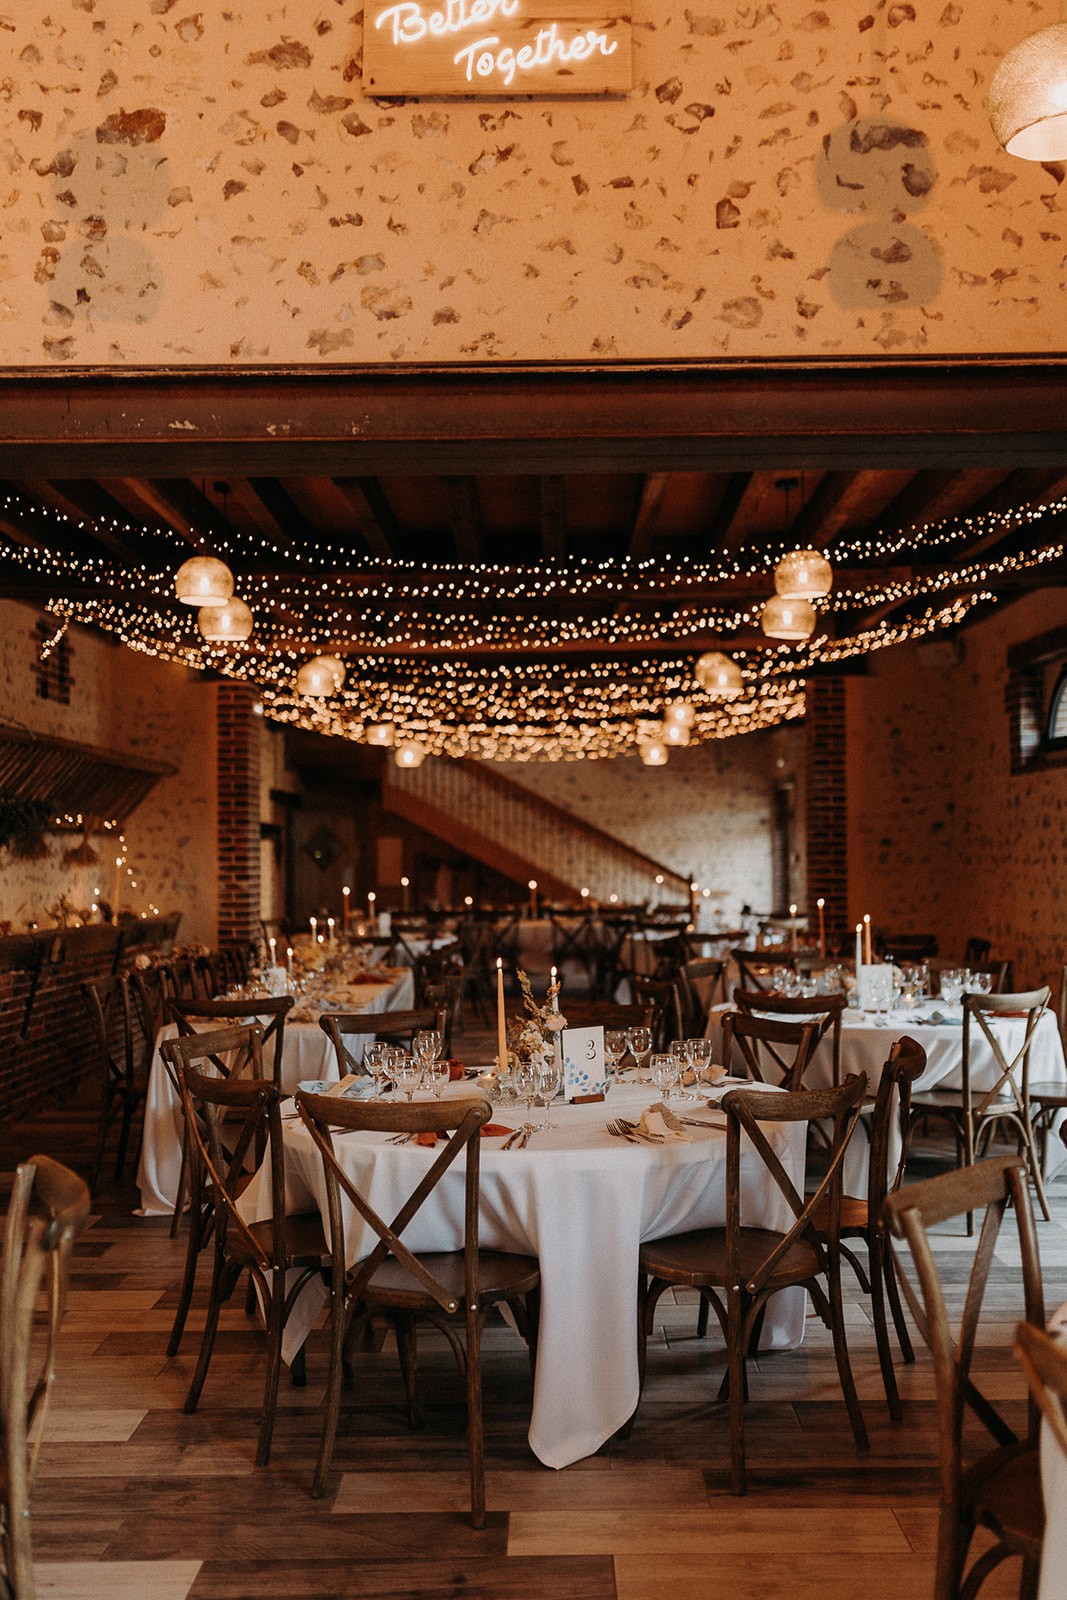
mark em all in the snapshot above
pixel 130 704
pixel 943 836
pixel 708 812
pixel 210 185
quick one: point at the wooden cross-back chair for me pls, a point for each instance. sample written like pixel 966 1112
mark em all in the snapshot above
pixel 395 1027
pixel 605 1014
pixel 249 1110
pixel 662 995
pixel 825 1009
pixel 737 1268
pixel 49 1208
pixel 572 941
pixel 123 1070
pixel 235 1052
pixel 772 1050
pixel 374 1271
pixel 1000 1490
pixel 974 1113
pixel 702 982
pixel 758 969
pixel 862 1216
pixel 1044 1361
pixel 270 1011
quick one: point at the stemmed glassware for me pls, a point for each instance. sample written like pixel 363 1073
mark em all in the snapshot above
pixel 549 1078
pixel 614 1048
pixel 640 1042
pixel 526 1078
pixel 426 1048
pixel 699 1053
pixel 407 1071
pixel 665 1069
pixel 377 1057
pixel 681 1055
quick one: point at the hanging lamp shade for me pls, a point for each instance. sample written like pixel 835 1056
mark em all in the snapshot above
pixel 788 619
pixel 676 733
pixel 380 733
pixel 678 712
pixel 225 624
pixel 410 753
pixel 717 675
pixel 203 581
pixel 803 575
pixel 321 676
pixel 653 752
pixel 1028 97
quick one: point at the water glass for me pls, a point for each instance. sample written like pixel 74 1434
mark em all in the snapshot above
pixel 549 1081
pixel 376 1059
pixel 699 1053
pixel 665 1069
pixel 640 1042
pixel 681 1056
pixel 614 1048
pixel 952 981
pixel 407 1071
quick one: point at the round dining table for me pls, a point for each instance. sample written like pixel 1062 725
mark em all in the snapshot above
pixel 581 1201
pixel 307 1054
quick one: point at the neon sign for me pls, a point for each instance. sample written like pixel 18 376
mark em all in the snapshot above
pixel 494 47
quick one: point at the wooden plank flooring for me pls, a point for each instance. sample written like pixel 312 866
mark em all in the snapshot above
pixel 136 1501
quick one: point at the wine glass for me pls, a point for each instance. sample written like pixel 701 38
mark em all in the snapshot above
pixel 549 1078
pixel 525 1078
pixel 376 1058
pixel 426 1047
pixel 664 1068
pixel 640 1042
pixel 981 982
pixel 698 1053
pixel 614 1048
pixel 407 1071
pixel 681 1056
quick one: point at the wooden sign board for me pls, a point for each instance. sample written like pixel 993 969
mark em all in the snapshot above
pixel 494 47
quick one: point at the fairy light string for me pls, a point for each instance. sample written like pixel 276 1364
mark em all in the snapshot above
pixel 381 617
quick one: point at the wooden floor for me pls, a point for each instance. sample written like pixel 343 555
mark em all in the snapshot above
pixel 137 1502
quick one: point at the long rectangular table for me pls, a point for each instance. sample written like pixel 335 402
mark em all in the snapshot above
pixel 582 1202
pixel 307 1054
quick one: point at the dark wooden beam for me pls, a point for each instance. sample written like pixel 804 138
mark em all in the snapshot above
pixel 831 416
pixel 827 511
pixel 142 501
pixel 89 505
pixel 552 506
pixel 465 517
pixel 646 521
pixel 374 520
pixel 721 535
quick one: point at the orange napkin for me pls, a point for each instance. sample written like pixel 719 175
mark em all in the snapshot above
pixel 456 1070
pixel 491 1130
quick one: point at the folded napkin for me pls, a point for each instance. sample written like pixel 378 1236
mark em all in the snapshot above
pixel 490 1130
pixel 349 1088
pixel 456 1070
pixel 662 1123
pixel 942 1021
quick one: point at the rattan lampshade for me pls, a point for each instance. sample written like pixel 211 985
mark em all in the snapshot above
pixel 225 624
pixel 791 620
pixel 803 575
pixel 321 676
pixel 203 581
pixel 719 676
pixel 1028 97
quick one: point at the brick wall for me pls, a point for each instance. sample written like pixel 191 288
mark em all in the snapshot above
pixel 827 803
pixel 238 743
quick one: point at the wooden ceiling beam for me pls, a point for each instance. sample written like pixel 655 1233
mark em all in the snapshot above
pixel 374 520
pixel 90 505
pixel 186 509
pixel 552 511
pixel 828 509
pixel 721 534
pixel 646 520
pixel 465 517
pixel 835 416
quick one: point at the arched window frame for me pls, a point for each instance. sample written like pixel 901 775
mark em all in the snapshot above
pixel 1056 722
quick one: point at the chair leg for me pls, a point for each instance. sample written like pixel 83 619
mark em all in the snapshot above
pixel 124 1136
pixel 702 1319
pixel 211 1327
pixel 407 1350
pixel 893 1296
pixel 735 1378
pixel 181 1198
pixel 475 1423
pixel 275 1329
pixel 881 1327
pixel 844 1366
pixel 101 1139
pixel 194 1245
pixel 332 1407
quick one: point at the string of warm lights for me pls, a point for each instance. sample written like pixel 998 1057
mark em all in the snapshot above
pixel 526 708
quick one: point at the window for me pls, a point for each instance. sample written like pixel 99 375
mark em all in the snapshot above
pixel 1036 701
pixel 1056 726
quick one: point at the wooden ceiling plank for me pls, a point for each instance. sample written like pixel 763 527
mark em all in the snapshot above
pixel 374 520
pixel 552 510
pixel 87 503
pixel 646 521
pixel 189 510
pixel 827 510
pixel 140 501
pixel 722 534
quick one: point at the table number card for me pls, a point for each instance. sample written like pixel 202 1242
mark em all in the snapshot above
pixel 584 1067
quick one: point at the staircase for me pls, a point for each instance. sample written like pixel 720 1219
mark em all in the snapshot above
pixel 517 833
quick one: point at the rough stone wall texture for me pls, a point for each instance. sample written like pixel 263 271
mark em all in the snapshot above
pixel 708 812
pixel 210 184
pixel 133 705
pixel 943 836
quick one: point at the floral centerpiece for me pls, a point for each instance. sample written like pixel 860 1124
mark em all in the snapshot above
pixel 542 1021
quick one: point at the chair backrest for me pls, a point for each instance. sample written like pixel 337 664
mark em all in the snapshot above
pixel 988 1187
pixel 248 1108
pixel 1044 1361
pixel 1012 1064
pixel 396 1027
pixel 443 996
pixel 235 1052
pixel 662 995
pixel 772 1050
pixel 749 1112
pixel 150 989
pixel 702 982
pixel 459 1123
pixel 757 969
pixel 909 946
pixel 825 1009
pixel 273 1009
pixel 605 1014
pixel 111 1018
pixel 892 1106
pixel 49 1208
pixel 1061 1009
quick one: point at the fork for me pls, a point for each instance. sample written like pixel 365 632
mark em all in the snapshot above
pixel 618 1131
pixel 639 1133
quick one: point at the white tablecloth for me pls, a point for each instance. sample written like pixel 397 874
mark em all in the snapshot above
pixel 308 1054
pixel 582 1202
pixel 865 1045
